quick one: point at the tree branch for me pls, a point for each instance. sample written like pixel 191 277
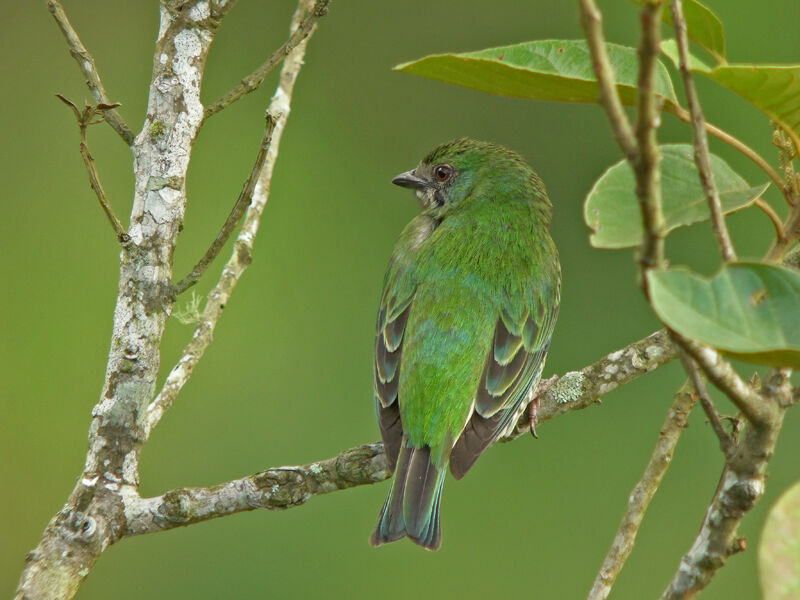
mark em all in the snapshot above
pixel 734 142
pixel 639 499
pixel 286 487
pixel 755 407
pixel 238 210
pixel 725 442
pixel 741 485
pixel 240 258
pixel 86 63
pixel 84 120
pixel 648 119
pixel 702 157
pixel 592 22
pixel 257 77
pixel 93 516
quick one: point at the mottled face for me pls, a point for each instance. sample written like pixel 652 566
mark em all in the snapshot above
pixel 431 183
pixel 467 174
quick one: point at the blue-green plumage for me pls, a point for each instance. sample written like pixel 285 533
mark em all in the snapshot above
pixel 469 303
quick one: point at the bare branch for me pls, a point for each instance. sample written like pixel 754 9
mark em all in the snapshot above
pixel 725 442
pixel 84 120
pixel 86 63
pixel 639 499
pixel 592 22
pixel 238 210
pixel 257 77
pixel 240 259
pixel 702 156
pixel 753 405
pixel 648 119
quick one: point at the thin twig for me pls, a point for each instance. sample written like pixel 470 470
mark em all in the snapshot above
pixel 648 119
pixel 725 442
pixel 84 120
pixel 643 492
pixel 86 63
pixel 702 157
pixel 722 135
pixel 765 207
pixel 720 372
pixel 592 22
pixel 238 210
pixel 240 259
pixel 257 77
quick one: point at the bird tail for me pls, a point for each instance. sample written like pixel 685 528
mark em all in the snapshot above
pixel 412 507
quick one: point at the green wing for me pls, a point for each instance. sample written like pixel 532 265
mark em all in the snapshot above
pixel 513 365
pixel 395 306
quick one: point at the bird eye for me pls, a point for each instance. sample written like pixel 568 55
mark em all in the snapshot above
pixel 442 172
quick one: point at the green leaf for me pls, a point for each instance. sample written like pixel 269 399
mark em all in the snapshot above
pixel 557 70
pixel 612 211
pixel 773 89
pixel 779 548
pixel 702 25
pixel 746 310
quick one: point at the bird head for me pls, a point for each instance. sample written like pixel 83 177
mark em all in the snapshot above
pixel 467 174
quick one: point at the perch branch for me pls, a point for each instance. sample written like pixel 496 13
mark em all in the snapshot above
pixel 639 499
pixel 86 63
pixel 238 210
pixel 257 77
pixel 702 156
pixel 286 487
pixel 240 258
pixel 84 119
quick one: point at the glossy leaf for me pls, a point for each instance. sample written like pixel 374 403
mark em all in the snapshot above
pixel 779 548
pixel 557 70
pixel 702 25
pixel 773 89
pixel 612 211
pixel 747 310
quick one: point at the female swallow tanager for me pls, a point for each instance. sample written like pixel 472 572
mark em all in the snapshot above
pixel 469 303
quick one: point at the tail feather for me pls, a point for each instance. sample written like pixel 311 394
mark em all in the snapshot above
pixel 412 508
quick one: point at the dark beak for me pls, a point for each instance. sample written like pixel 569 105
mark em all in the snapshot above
pixel 409 180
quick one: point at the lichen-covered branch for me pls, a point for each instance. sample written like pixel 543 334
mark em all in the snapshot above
pixel 93 516
pixel 254 80
pixel 240 258
pixel 281 487
pixel 592 22
pixel 742 484
pixel 702 156
pixel 285 487
pixel 86 63
pixel 644 490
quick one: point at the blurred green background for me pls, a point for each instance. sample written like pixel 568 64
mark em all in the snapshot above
pixel 287 379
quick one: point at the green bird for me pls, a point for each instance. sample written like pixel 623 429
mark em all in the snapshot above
pixel 469 303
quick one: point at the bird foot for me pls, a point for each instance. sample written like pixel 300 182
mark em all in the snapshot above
pixel 533 407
